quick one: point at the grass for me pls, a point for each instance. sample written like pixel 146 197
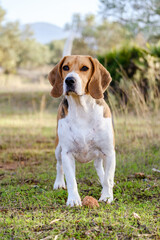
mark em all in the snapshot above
pixel 26 80
pixel 30 209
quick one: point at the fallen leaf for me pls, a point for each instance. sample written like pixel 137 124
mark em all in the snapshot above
pixel 155 170
pixel 140 175
pixel 5 210
pixel 55 220
pixel 88 232
pixel 48 237
pixel 136 216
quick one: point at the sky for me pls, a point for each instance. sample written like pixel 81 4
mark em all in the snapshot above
pixel 57 12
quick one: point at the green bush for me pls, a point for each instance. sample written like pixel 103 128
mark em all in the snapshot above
pixel 122 61
pixel 155 49
pixel 135 76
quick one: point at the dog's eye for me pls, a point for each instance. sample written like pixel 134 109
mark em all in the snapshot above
pixel 84 68
pixel 66 68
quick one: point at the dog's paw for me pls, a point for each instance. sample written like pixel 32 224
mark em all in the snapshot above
pixel 74 200
pixel 59 184
pixel 107 199
pixel 106 195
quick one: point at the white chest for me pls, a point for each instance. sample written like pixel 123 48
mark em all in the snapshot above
pixel 86 134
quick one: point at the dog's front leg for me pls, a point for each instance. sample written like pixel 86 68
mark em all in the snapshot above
pixel 59 182
pixel 68 163
pixel 109 169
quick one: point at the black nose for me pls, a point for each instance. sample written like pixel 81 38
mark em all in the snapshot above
pixel 70 81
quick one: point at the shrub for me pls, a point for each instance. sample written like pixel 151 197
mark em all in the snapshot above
pixel 135 76
pixel 154 49
pixel 123 60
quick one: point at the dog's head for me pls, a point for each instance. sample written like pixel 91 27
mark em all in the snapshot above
pixel 79 75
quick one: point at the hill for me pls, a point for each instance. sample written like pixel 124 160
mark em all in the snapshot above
pixel 46 32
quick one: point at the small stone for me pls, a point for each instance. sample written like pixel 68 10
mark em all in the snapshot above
pixel 90 202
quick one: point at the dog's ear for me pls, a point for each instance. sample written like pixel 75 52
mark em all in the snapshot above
pixel 100 79
pixel 55 78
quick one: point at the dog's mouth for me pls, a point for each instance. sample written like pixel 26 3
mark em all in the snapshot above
pixel 71 92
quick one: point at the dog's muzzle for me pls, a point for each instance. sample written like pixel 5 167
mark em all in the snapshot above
pixel 70 84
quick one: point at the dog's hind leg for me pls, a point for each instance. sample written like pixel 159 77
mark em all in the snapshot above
pixel 59 182
pixel 109 169
pixel 98 163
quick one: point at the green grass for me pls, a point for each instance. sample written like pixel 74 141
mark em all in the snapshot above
pixel 28 204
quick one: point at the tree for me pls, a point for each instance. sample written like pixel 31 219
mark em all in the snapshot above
pixel 56 50
pixel 96 38
pixel 9 46
pixel 111 35
pixel 2 14
pixel 137 15
pixel 76 24
pixel 32 54
pixel 81 47
pixel 18 48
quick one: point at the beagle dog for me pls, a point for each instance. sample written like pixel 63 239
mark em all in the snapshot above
pixel 84 124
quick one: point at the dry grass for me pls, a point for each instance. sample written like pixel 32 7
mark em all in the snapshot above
pixel 26 81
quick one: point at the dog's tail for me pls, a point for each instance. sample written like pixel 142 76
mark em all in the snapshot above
pixel 68 45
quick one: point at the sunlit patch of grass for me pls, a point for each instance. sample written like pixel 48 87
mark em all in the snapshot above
pixel 30 82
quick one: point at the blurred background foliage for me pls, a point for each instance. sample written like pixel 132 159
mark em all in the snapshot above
pixel 125 37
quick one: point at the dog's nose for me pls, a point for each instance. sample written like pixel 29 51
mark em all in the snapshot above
pixel 70 81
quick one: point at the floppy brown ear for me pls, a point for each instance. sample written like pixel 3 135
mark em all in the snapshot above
pixel 55 78
pixel 100 79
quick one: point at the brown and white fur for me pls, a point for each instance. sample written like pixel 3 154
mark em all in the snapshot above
pixel 84 124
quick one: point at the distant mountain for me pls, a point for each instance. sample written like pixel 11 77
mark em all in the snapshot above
pixel 46 32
